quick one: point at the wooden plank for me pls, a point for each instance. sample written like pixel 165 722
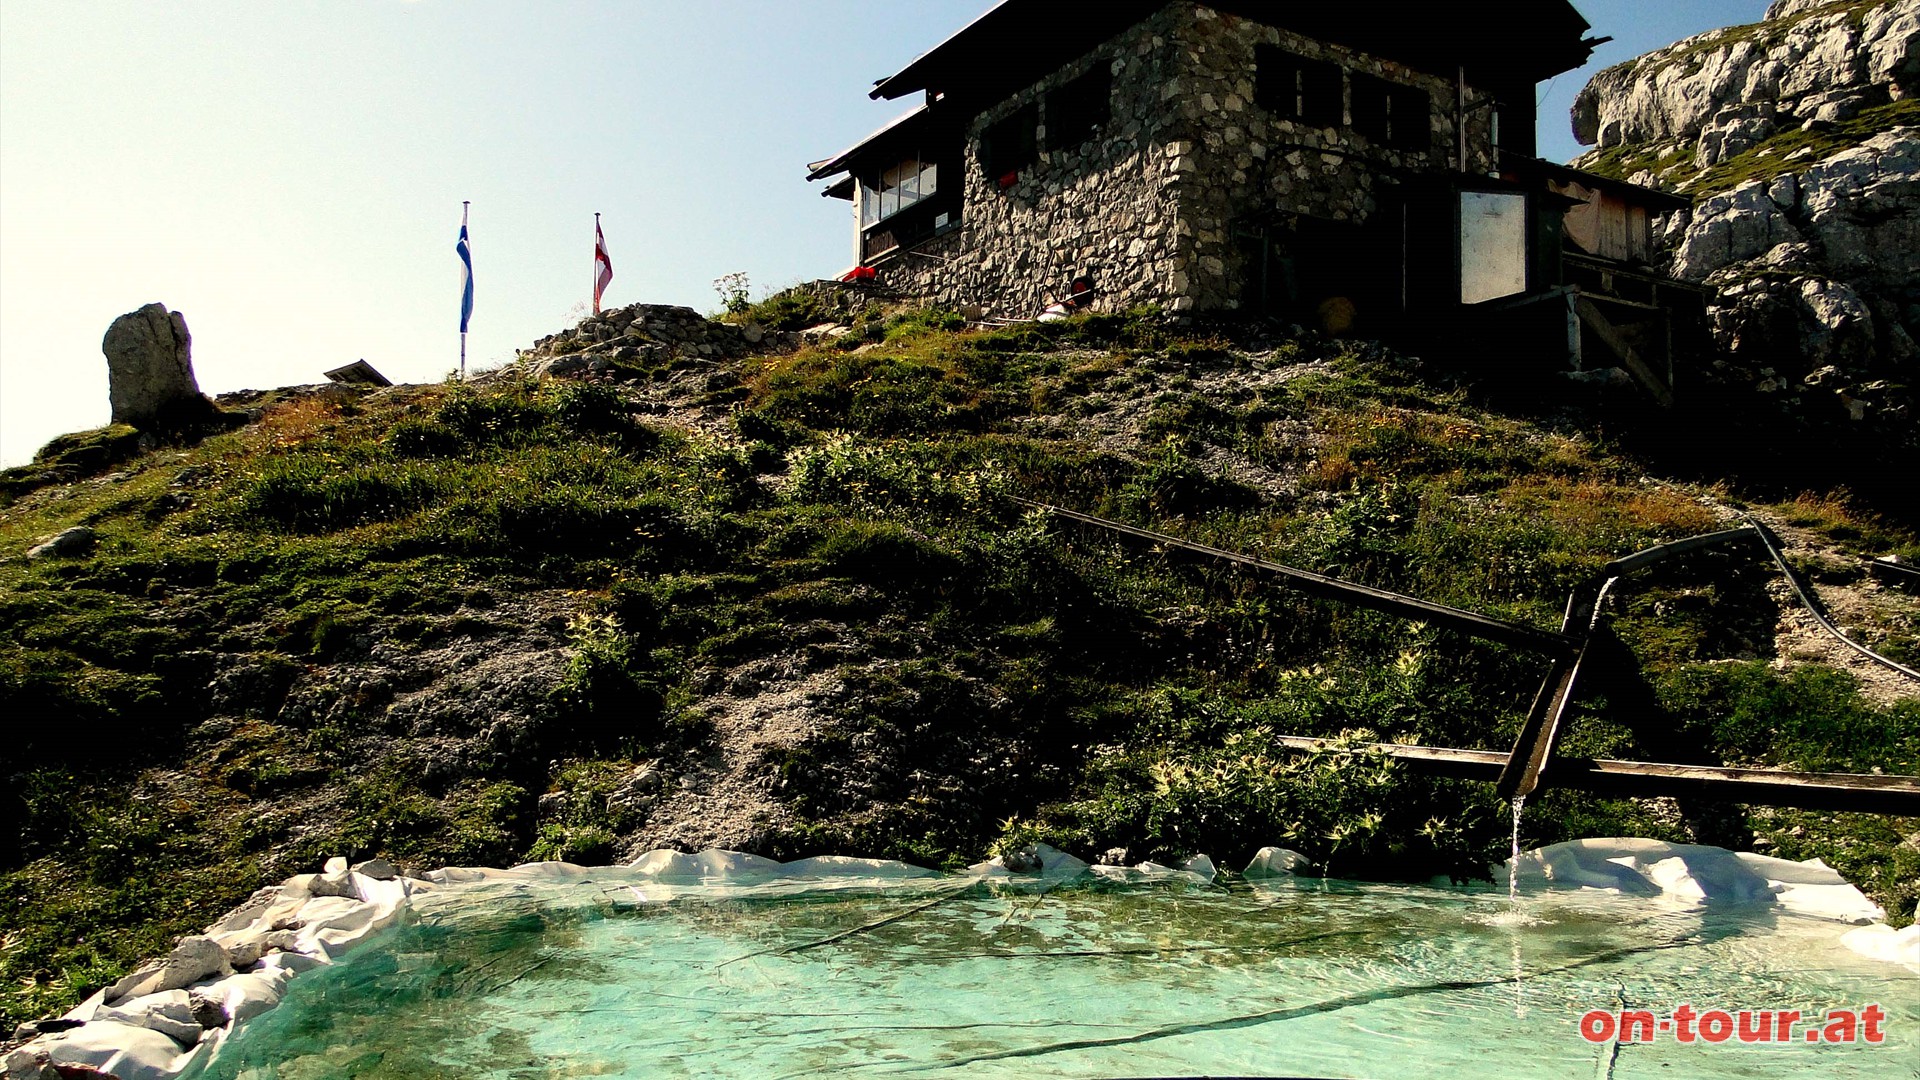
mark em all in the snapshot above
pixel 1620 301
pixel 1589 262
pixel 1436 760
pixel 1898 796
pixel 1849 792
pixel 1471 623
pixel 1541 733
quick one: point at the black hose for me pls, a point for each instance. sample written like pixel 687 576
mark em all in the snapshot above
pixel 1812 603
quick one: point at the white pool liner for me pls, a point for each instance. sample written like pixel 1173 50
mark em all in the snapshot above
pixel 1691 874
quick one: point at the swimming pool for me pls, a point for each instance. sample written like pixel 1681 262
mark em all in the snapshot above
pixel 622 973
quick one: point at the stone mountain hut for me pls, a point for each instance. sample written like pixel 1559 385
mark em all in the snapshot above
pixel 1362 165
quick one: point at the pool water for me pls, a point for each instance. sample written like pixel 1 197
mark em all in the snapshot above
pixel 626 977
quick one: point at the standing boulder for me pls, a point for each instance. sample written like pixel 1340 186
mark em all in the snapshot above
pixel 150 369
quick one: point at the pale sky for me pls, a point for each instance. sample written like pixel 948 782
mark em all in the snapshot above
pixel 289 173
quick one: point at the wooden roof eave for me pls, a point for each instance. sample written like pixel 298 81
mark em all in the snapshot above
pixel 841 162
pixel 1012 33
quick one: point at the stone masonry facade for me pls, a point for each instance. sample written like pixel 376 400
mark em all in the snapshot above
pixel 1107 209
pixel 1148 208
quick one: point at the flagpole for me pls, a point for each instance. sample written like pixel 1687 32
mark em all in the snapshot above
pixel 466 208
pixel 596 263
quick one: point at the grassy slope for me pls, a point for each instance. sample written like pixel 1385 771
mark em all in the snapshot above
pixel 1008 678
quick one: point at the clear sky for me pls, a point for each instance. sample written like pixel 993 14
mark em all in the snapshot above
pixel 289 173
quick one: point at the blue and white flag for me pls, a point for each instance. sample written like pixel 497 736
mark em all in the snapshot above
pixel 466 260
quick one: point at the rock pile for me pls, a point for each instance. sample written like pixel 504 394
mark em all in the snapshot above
pixel 838 301
pixel 73 542
pixel 1803 137
pixel 641 336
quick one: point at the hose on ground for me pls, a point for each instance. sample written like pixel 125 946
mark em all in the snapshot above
pixel 1812 603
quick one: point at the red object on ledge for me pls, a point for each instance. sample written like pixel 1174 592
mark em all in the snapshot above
pixel 860 273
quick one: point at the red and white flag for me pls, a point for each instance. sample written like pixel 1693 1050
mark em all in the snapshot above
pixel 602 264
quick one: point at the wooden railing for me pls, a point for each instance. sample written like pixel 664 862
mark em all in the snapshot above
pixel 1533 764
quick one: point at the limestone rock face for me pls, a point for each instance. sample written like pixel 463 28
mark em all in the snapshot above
pixel 1810 60
pixel 1800 138
pixel 150 366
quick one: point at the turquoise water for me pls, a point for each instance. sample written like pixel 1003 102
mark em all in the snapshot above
pixel 627 978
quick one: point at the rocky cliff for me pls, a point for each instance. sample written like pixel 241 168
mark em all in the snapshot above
pixel 1800 135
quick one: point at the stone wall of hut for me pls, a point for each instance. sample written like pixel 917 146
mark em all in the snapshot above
pixel 1104 209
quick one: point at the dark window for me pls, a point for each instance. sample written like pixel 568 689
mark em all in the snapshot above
pixel 1295 88
pixel 1412 119
pixel 900 188
pixel 1011 146
pixel 1276 81
pixel 1322 94
pixel 1371 107
pixel 1391 114
pixel 1077 111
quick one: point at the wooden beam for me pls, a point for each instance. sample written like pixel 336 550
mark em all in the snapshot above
pixel 1898 796
pixel 1436 760
pixel 1849 792
pixel 1630 357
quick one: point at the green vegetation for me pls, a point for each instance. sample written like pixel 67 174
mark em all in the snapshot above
pixel 485 624
pixel 1783 151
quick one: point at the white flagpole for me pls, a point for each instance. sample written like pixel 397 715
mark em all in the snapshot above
pixel 596 263
pixel 465 209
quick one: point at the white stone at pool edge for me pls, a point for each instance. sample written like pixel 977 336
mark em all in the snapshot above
pixel 1883 942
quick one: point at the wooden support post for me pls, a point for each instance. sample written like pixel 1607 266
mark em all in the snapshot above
pixel 1630 357
pixel 1576 353
pixel 1541 733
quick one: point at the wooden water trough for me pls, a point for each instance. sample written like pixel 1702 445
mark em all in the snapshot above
pixel 1533 763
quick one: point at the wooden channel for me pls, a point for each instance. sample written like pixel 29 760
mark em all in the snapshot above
pixel 1472 623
